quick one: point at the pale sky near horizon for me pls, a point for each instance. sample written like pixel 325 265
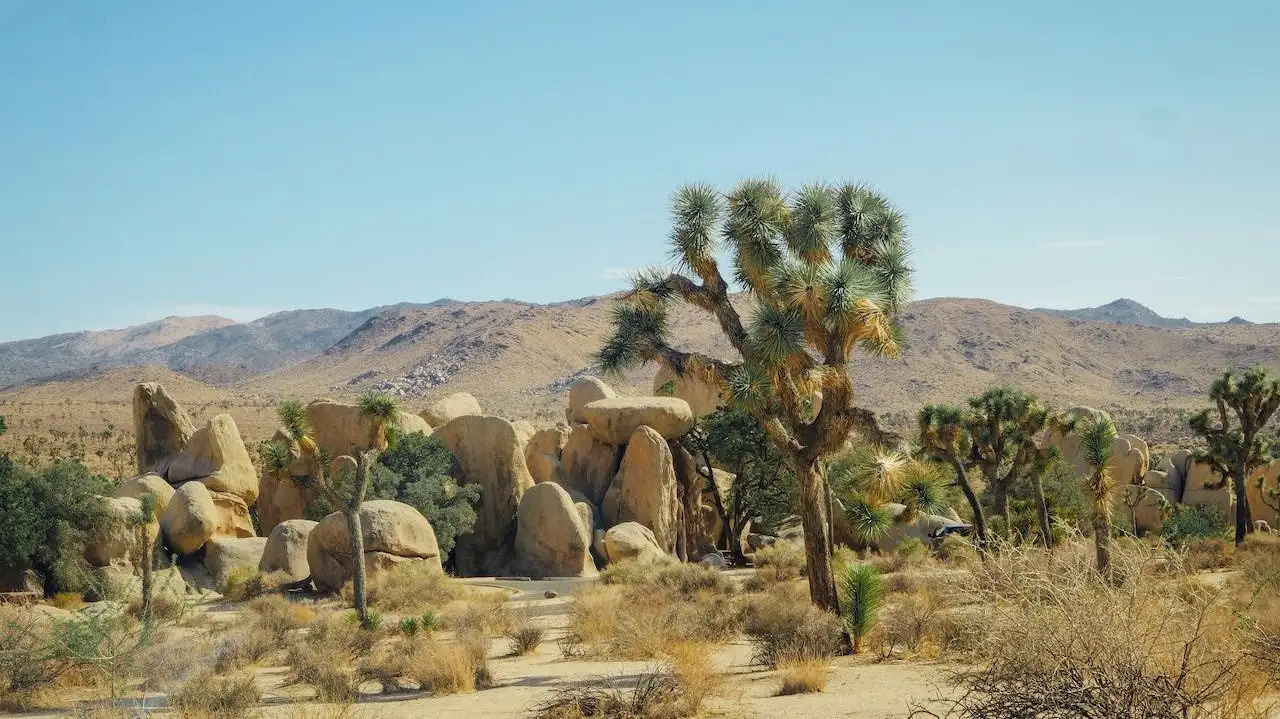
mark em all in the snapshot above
pixel 238 158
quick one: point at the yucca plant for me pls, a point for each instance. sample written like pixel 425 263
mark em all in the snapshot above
pixel 382 412
pixel 827 270
pixel 870 521
pixel 1234 452
pixel 1095 443
pixel 863 597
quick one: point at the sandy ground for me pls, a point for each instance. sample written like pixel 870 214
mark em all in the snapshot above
pixel 859 688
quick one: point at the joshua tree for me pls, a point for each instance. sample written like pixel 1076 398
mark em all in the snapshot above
pixel 944 436
pixel 1096 441
pixel 346 493
pixel 382 413
pixel 1235 452
pixel 827 269
pixel 1003 426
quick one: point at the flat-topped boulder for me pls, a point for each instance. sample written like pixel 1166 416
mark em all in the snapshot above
pixel 458 404
pixel 612 421
pixel 339 428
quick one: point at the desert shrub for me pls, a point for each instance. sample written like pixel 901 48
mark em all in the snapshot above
pixel 1062 643
pixel 525 636
pixel 208 696
pixel 489 615
pixel 783 628
pixel 785 558
pixel 955 549
pixel 409 587
pixel 682 578
pixel 70 601
pixel 805 676
pixel 1208 553
pixel 409 626
pixel 324 654
pixel 277 616
pixel 429 622
pixel 240 648
pixel 655 694
pixel 641 623
pixel 908 624
pixel 1192 521
pixel 443 668
pixel 243 584
pixel 910 550
pixel 48 514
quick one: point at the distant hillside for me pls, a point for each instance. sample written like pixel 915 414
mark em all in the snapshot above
pixel 1122 311
pixel 55 354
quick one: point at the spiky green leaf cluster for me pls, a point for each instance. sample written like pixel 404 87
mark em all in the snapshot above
pixel 293 419
pixel 1095 442
pixel 869 521
pixel 863 596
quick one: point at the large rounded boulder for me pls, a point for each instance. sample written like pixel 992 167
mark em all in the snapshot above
pixel 644 490
pixel 190 519
pixel 703 397
pixel 161 427
pixel 224 556
pixel 152 484
pixel 612 421
pixel 491 456
pixel 632 541
pixel 446 409
pixel 123 539
pixel 285 554
pixel 387 527
pixel 552 538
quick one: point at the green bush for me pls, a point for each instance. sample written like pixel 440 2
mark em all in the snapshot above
pixel 1188 522
pixel 48 514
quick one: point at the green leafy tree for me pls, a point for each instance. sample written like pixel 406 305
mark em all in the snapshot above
pixel 416 470
pixel 49 513
pixel 827 270
pixel 863 596
pixel 1236 444
pixel 764 488
pixel 1095 442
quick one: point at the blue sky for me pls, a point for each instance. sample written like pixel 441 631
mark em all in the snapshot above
pixel 242 157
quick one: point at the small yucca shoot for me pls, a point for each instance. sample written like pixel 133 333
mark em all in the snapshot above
pixel 863 595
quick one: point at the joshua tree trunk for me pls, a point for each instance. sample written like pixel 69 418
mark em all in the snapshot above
pixel 979 516
pixel 1102 540
pixel 148 563
pixel 1042 512
pixel 354 530
pixel 814 500
pixel 1000 495
pixel 1244 519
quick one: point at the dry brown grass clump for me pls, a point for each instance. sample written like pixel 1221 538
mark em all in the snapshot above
pixel 436 666
pixel 244 583
pixel 785 627
pixel 783 562
pixel 644 622
pixel 209 696
pixel 1065 642
pixel 675 690
pixel 678 577
pixel 326 656
pixel 489 615
pixel 804 676
pixel 525 635
pixel 409 588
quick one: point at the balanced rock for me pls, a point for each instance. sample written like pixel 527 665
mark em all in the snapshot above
pixel 386 526
pixel 635 542
pixel 644 490
pixel 123 539
pixel 339 428
pixel 489 452
pixel 583 392
pixel 612 421
pixel 285 553
pixel 588 464
pixel 703 397
pixel 216 457
pixel 551 537
pixel 923 527
pixel 458 404
pixel 225 555
pixel 152 484
pixel 161 427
